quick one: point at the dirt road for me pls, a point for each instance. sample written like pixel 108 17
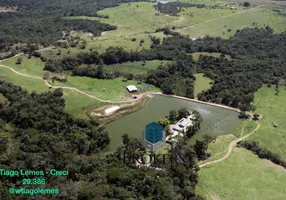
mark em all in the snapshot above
pixel 217 18
pixel 231 146
pixel 108 101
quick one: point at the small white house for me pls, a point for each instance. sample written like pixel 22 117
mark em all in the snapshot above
pixel 132 88
pixel 183 125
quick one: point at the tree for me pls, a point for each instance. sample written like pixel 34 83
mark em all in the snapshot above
pixel 246 4
pixel 201 147
pixel 164 122
pixel 125 139
pixel 256 116
pixel 188 192
pixel 2 100
pixel 19 61
pixel 173 115
pixel 183 113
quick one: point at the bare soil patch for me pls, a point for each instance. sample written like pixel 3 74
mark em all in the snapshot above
pixel 4 9
pixel 278 168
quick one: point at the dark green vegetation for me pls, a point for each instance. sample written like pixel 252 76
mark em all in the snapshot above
pixel 41 21
pixel 36 134
pixel 45 112
pixel 259 57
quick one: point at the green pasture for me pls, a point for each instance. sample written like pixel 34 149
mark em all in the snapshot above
pixel 245 127
pixel 226 26
pixel 80 105
pixel 101 44
pixel 273 109
pixel 192 15
pixel 242 176
pixel 115 89
pixel 276 22
pixel 197 55
pixel 206 2
pixel 202 83
pixel 139 67
pixel 76 104
pixel 33 66
pixel 29 84
pixel 219 147
pixel 134 18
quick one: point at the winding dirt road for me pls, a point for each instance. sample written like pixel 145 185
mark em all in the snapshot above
pixel 108 101
pixel 231 146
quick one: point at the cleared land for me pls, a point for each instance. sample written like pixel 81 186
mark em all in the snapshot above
pixel 114 89
pixel 273 108
pixel 245 127
pixel 33 66
pixel 197 55
pixel 226 26
pixel 136 67
pixel 202 83
pixel 242 176
pixel 192 15
pixel 76 104
pixel 219 148
pixel 138 21
pixel 232 178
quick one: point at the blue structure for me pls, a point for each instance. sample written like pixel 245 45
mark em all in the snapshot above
pixel 153 132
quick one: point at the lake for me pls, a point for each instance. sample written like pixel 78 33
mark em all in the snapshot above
pixel 216 121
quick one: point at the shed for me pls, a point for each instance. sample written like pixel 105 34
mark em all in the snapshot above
pixel 132 88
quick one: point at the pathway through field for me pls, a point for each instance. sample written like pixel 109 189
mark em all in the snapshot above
pixel 217 18
pixel 231 146
pixel 108 101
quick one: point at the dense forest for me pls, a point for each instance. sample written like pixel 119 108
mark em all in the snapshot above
pixel 43 22
pixel 37 134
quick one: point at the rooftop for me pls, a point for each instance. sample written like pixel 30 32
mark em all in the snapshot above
pixel 132 88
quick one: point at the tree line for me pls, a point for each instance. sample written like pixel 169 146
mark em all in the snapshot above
pixel 262 152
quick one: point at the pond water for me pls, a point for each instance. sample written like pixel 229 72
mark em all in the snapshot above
pixel 216 121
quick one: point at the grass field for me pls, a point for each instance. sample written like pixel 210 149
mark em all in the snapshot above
pixel 136 67
pixel 33 66
pixel 242 176
pixel 227 26
pixel 76 104
pixel 26 83
pixel 197 55
pixel 219 148
pixel 115 88
pixel 202 83
pixel 273 109
pixel 134 18
pixel 139 20
pixel 193 15
pixel 245 127
pixel 276 22
pixel 80 105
